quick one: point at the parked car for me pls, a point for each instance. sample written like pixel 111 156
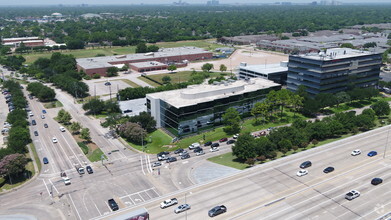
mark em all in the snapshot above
pixel 31 114
pixel 356 152
pixel 372 153
pixel 54 140
pixel 113 205
pixel 376 181
pixel 62 129
pixel 231 141
pixel 215 145
pixel 302 173
pixel 171 159
pixel 328 170
pixel 128 111
pixel 235 136
pixel 156 164
pixel 223 140
pixel 198 149
pixel 182 208
pixel 168 203
pixel 185 156
pixel 180 150
pixel 183 152
pixel 45 160
pixel 45 125
pixel 199 153
pixel 36 133
pixel 33 122
pixel 208 143
pixel 43 116
pixel 214 149
pixel 194 145
pixel 89 170
pixel 305 164
pixel 66 180
pixel 217 210
pixel 352 194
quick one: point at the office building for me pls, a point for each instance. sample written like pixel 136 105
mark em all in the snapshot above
pixel 274 72
pixel 333 71
pixel 180 55
pixel 201 107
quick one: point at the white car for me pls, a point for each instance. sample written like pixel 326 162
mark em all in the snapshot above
pixel 235 136
pixel 168 203
pixel 43 116
pixel 302 173
pixel 352 194
pixel 199 153
pixel 214 149
pixel 67 181
pixel 31 114
pixel 194 145
pixel 182 208
pixel 54 140
pixel 356 152
pixel 156 164
pixel 62 129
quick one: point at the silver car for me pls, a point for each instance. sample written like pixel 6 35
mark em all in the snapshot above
pixel 182 208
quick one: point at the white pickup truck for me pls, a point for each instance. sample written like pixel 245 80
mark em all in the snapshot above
pixel 168 203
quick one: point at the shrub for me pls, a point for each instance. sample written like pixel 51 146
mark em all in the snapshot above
pixel 96 76
pixel 295 148
pixel 315 142
pixel 83 147
pixel 2 181
pixel 87 77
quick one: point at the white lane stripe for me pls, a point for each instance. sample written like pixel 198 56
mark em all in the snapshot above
pixel 53 186
pixel 141 161
pixel 46 187
pixel 77 212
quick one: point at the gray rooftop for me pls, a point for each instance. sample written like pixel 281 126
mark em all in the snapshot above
pixel 265 69
pixel 195 94
pixel 335 53
pixel 99 62
pixel 148 64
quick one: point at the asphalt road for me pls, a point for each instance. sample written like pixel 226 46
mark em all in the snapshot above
pixel 273 191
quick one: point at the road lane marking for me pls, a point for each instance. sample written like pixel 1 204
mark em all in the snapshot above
pixel 54 186
pixel 46 187
pixel 141 162
pixel 77 212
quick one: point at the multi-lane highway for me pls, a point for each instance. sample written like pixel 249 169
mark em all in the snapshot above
pixel 273 191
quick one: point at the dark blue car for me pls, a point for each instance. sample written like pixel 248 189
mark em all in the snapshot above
pixel 44 111
pixel 372 153
pixel 45 160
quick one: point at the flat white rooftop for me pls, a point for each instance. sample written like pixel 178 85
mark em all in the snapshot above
pixel 336 53
pixel 265 69
pixel 148 64
pixel 98 62
pixel 195 94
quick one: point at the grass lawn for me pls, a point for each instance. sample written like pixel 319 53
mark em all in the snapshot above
pixel 131 83
pixel 39 164
pixel 148 81
pixel 116 50
pixel 159 140
pixel 54 104
pixel 228 160
pixel 357 104
pixel 178 77
pixel 96 155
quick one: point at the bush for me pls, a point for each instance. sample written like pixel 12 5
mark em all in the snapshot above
pixel 295 148
pixel 83 147
pixel 96 76
pixel 2 181
pixel 87 77
pixel 315 142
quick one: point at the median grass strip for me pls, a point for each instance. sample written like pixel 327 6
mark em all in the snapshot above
pixel 229 160
pixel 131 83
pixel 37 160
pixel 54 104
pixel 149 82
pixel 96 155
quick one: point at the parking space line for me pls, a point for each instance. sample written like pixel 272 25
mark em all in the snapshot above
pixel 77 212
pixel 146 192
pixel 110 210
pixel 139 194
pixel 153 188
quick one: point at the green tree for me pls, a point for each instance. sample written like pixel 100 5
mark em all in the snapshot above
pixel 112 71
pixel 13 164
pixel 75 127
pixel 75 44
pixel 85 134
pixel 244 147
pixel 64 116
pixel 231 119
pixel 152 48
pixel 207 67
pixel 132 132
pixel 347 45
pixel 166 79
pixel 381 108
pixel 223 68
pixel 172 67
pixel 146 121
pixel 94 106
pixel 342 97
pixel 260 109
pixel 141 48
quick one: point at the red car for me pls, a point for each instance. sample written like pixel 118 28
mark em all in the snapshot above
pixel 223 140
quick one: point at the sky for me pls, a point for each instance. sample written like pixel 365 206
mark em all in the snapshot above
pixel 106 2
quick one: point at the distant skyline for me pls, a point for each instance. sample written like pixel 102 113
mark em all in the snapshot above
pixel 122 2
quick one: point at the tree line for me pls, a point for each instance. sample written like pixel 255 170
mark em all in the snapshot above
pixel 130 25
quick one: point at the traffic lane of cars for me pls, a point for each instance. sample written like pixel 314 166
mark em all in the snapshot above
pixel 330 195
